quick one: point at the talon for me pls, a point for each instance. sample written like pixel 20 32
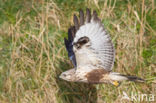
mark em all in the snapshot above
pixel 116 83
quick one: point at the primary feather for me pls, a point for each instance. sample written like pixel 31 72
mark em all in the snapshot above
pixel 69 46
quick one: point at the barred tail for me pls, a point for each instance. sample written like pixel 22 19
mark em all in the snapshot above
pixel 120 77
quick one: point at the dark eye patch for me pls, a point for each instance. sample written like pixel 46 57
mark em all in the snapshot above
pixel 83 40
pixel 64 75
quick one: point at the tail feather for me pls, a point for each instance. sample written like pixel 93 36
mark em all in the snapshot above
pixel 134 78
pixel 121 77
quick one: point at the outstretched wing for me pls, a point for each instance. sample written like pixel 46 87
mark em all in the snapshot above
pixel 101 44
pixel 69 45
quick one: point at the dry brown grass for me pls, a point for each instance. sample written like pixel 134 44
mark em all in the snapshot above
pixel 33 54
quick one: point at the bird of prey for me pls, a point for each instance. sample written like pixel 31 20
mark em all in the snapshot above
pixel 92 52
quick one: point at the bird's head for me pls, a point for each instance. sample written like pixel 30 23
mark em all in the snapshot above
pixel 82 42
pixel 68 75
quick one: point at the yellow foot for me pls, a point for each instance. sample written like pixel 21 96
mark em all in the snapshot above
pixel 116 83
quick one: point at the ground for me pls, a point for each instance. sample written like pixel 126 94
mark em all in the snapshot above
pixel 32 51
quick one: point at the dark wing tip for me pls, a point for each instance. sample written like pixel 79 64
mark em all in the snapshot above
pixel 73 31
pixel 70 36
pixel 94 13
pixel 95 16
pixel 88 15
pixel 66 42
pixel 76 22
pixel 81 17
pixel 88 10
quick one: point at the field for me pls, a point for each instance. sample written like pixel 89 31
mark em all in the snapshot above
pixel 32 51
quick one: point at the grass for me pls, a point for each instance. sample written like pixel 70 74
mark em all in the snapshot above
pixel 32 52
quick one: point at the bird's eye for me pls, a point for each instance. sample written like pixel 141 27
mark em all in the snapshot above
pixel 77 45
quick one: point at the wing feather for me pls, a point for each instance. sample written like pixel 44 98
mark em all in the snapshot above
pixel 81 17
pixel 69 45
pixel 76 23
pixel 101 43
pixel 88 15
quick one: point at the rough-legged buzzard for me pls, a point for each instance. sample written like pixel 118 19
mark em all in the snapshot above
pixel 92 52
